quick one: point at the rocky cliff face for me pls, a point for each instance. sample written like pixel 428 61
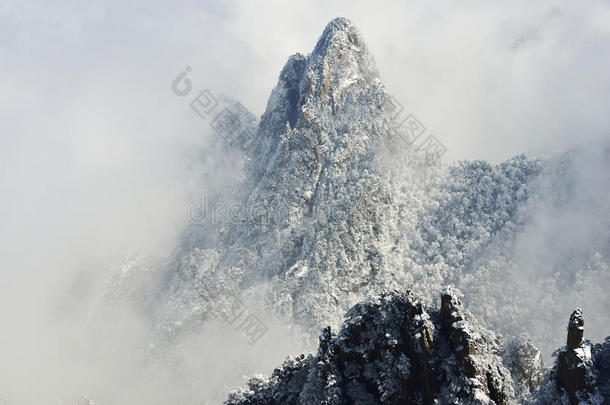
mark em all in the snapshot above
pixel 392 349
pixel 322 213
pixel 580 373
pixel 574 361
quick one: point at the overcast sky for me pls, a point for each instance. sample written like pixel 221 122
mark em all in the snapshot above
pixel 96 152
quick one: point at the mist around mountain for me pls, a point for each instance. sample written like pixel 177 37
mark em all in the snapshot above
pixel 320 216
pixel 334 201
pixel 331 201
pixel 337 203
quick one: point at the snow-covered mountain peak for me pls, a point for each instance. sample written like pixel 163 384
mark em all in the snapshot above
pixel 338 65
pixel 342 50
pixel 339 74
pixel 318 173
pixel 339 30
pixel 335 206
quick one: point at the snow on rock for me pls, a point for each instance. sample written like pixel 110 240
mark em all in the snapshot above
pixel 392 349
pixel 574 365
pixel 578 377
pixel 524 360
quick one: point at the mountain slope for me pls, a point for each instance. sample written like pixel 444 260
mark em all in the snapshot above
pixel 320 215
pixel 334 204
pixel 325 201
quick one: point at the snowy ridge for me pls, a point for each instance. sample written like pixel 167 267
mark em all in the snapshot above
pixel 391 349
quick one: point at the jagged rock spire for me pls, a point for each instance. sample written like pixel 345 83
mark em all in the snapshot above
pixel 339 32
pixel 574 362
pixel 391 349
pixel 576 329
pixel 338 65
